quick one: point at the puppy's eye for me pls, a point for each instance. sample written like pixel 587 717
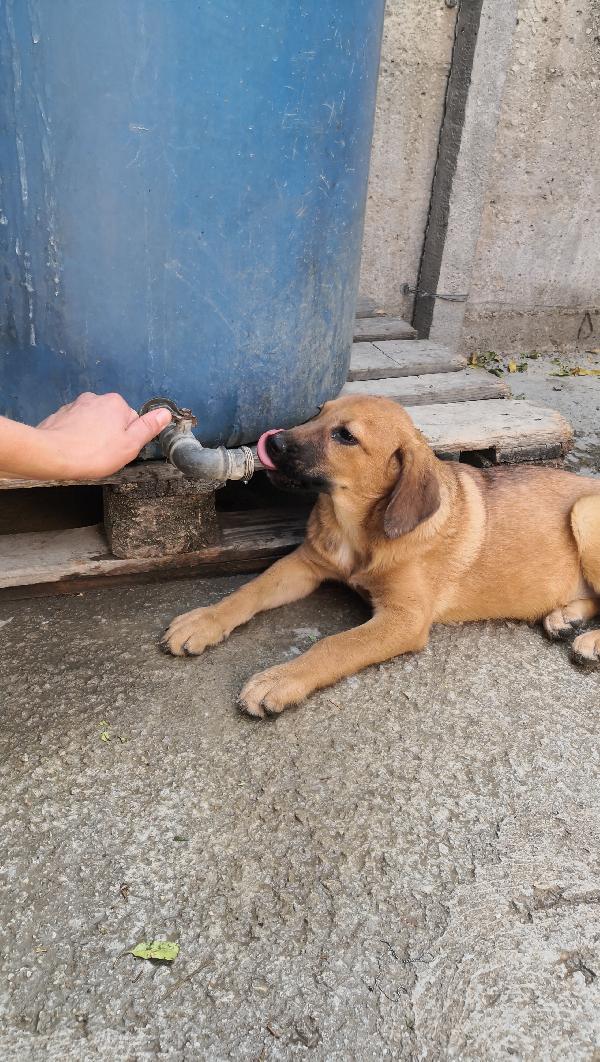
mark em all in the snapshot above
pixel 343 436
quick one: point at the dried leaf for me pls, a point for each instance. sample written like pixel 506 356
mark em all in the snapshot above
pixel 165 950
pixel 512 366
pixel 564 370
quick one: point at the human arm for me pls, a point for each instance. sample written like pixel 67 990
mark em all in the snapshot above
pixel 91 437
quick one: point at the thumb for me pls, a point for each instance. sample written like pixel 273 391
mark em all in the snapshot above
pixel 145 428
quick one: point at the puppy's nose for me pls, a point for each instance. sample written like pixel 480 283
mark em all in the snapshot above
pixel 276 444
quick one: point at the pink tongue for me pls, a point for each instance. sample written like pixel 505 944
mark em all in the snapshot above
pixel 262 450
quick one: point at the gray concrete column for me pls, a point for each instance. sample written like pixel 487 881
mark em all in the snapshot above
pixel 482 50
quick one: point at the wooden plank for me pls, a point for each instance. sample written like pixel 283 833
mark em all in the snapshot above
pixel 367 329
pixel 387 360
pixel 72 560
pixel 249 542
pixel 466 386
pixel 141 471
pixel 511 426
pixel 512 430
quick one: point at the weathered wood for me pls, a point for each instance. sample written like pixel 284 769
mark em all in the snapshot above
pixel 72 558
pixel 513 426
pixel 388 360
pixel 140 472
pixel 466 386
pixel 156 518
pixel 508 431
pixel 374 328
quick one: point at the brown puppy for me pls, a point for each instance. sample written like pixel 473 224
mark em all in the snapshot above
pixel 427 541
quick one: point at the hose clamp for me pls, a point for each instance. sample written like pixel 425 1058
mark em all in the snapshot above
pixel 248 463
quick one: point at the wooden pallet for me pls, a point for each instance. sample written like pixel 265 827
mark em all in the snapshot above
pixel 72 560
pixel 464 413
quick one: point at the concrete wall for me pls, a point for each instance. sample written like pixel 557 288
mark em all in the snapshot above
pixel 417 49
pixel 536 275
pixel 536 279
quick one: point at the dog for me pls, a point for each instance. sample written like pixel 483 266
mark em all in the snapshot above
pixel 424 540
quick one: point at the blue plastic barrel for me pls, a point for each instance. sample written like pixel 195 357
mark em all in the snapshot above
pixel 182 196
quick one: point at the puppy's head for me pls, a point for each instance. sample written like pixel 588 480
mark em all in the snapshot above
pixel 367 454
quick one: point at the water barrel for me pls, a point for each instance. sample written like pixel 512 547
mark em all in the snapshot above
pixel 182 195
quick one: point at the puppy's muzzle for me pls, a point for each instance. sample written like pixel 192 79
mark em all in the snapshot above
pixel 294 463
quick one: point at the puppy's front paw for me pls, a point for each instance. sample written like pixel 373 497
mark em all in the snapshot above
pixel 586 649
pixel 192 632
pixel 269 692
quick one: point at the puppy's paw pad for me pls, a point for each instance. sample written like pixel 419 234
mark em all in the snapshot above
pixel 586 649
pixel 560 624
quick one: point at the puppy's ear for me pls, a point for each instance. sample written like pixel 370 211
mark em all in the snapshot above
pixel 416 495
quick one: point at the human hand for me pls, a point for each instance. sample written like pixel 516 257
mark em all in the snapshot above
pixel 95 436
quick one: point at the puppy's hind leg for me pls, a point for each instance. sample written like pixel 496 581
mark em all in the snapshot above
pixel 585 521
pixel 560 624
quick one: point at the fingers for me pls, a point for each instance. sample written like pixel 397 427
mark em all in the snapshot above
pixel 141 430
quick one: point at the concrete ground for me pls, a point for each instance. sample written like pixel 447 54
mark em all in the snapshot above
pixel 407 867
pixel 576 397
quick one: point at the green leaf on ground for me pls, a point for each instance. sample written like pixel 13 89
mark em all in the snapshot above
pixel 487 359
pixel 165 950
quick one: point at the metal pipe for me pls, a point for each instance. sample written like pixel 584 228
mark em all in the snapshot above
pixel 180 446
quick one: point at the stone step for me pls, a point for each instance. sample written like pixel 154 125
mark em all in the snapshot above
pixel 392 358
pixel 368 307
pixel 367 329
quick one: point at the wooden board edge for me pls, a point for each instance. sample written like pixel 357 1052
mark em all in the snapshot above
pixel 249 546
